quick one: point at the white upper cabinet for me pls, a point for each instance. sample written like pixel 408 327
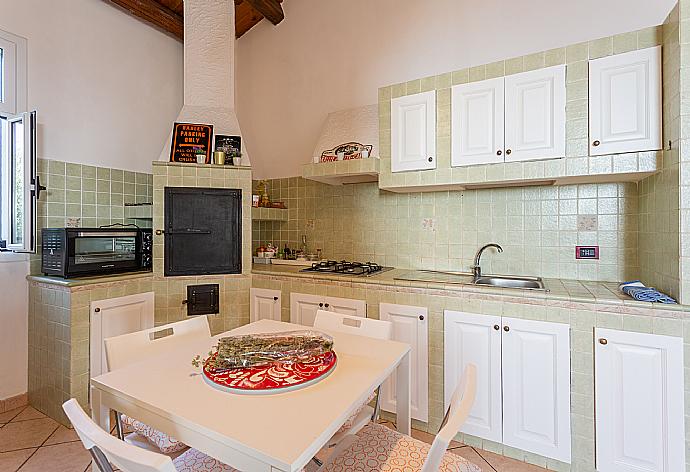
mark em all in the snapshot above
pixel 536 387
pixel 535 114
pixel 264 304
pixel 413 132
pixel 477 117
pixel 516 118
pixel 625 102
pixel 639 402
pixel 475 339
pixel 410 326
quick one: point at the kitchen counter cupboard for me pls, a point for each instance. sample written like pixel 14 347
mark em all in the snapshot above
pixel 577 307
pixel 546 118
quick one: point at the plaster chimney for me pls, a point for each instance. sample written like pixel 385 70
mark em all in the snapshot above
pixel 209 69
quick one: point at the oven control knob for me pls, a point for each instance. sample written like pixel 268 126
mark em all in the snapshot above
pixel 146 260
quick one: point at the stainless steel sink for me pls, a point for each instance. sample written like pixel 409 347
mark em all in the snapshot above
pixel 533 283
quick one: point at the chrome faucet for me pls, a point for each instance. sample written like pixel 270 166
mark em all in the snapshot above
pixel 476 269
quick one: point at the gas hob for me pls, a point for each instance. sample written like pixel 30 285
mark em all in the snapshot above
pixel 360 269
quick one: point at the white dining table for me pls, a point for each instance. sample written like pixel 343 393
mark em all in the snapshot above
pixel 267 432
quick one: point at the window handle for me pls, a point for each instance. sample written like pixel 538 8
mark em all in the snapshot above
pixel 37 187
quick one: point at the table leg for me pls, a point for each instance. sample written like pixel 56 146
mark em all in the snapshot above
pixel 99 413
pixel 403 394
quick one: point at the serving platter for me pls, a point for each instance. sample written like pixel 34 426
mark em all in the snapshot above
pixel 271 378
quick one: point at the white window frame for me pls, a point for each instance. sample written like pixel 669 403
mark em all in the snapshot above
pixel 13 105
pixel 13 97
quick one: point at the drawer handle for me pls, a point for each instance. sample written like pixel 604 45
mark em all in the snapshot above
pixel 496 327
pixel 596 143
pixel 603 341
pixel 431 159
pixel 275 299
pixel 506 328
pixel 97 310
pixel 421 317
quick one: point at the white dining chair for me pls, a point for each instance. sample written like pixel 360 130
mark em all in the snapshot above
pixel 106 450
pixel 126 349
pixel 360 326
pixel 377 447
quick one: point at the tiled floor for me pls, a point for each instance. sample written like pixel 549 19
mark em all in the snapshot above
pixel 32 442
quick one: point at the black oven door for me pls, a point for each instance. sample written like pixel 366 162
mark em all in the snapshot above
pixel 102 252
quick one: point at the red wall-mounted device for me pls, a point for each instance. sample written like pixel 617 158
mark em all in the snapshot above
pixel 586 252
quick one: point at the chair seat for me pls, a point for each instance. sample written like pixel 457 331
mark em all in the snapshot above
pixel 164 442
pixel 379 448
pixel 197 461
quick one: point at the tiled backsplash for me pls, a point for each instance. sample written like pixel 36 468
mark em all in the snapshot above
pixel 538 227
pixel 87 196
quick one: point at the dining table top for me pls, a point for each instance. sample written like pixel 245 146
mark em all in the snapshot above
pixel 284 429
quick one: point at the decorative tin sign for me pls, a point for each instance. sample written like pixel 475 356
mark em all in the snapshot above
pixel 190 140
pixel 347 151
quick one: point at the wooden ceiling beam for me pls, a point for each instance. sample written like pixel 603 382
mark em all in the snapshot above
pixel 154 13
pixel 270 9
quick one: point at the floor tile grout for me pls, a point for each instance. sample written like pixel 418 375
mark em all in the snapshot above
pixel 37 449
pixel 485 459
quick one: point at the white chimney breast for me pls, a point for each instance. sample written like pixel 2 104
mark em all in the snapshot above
pixel 356 124
pixel 209 69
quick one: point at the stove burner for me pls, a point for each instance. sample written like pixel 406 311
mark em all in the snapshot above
pixel 345 267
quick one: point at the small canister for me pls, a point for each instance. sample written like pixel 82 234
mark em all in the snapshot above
pixel 219 158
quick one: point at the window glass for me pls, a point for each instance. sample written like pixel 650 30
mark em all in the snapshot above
pixel 17 182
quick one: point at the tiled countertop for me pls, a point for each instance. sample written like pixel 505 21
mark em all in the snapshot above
pixel 575 291
pixel 47 279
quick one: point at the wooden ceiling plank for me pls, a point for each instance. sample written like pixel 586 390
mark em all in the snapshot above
pixel 154 13
pixel 270 9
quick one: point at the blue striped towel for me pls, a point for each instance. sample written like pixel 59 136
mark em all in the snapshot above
pixel 640 292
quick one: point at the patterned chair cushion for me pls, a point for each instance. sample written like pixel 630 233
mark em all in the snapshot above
pixel 165 443
pixel 351 419
pixel 379 448
pixel 196 461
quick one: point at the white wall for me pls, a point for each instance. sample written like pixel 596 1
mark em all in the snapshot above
pixel 107 88
pixel 329 55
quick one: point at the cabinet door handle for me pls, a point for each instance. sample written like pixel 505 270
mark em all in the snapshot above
pixel 509 151
pixel 431 159
pixel 421 317
pixel 499 152
pixel 596 143
pixel 603 341
pixel 496 327
pixel 326 305
pixel 97 309
pixel 275 299
pixel 506 328
pixel 320 305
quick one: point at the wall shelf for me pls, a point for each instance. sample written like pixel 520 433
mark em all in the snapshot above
pixel 355 171
pixel 269 214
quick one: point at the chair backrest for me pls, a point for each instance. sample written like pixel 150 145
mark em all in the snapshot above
pixel 124 456
pixel 123 350
pixel 458 410
pixel 369 327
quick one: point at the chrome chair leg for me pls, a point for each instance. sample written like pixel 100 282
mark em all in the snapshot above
pixel 377 405
pixel 101 461
pixel 118 426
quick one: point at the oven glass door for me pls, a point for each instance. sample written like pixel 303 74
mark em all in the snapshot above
pixel 95 253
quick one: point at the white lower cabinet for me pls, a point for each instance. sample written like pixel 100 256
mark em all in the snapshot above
pixel 113 317
pixel 523 383
pixel 303 307
pixel 475 339
pixel 265 304
pixel 536 387
pixel 410 325
pixel 639 402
